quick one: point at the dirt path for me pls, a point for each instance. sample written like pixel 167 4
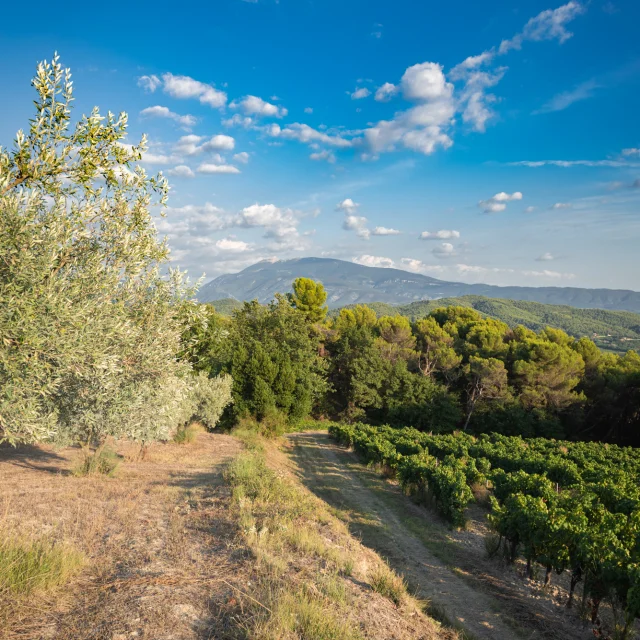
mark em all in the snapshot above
pixel 417 545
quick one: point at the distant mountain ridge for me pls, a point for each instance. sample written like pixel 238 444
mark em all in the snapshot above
pixel 350 283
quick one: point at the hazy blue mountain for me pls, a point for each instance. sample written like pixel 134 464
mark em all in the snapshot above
pixel 350 283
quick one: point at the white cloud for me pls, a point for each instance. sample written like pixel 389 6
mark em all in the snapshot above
pixel 184 87
pixel 631 152
pixel 233 246
pixel 308 109
pixel 425 82
pixel 156 158
pixel 571 163
pixel 242 157
pixel 348 206
pixel 529 209
pixel 255 106
pixel 164 112
pixel 192 145
pixel 385 231
pixel 498 202
pixel 219 142
pixel 567 98
pixel 385 92
pixel 305 133
pixel 357 224
pixel 561 205
pixel 549 274
pixel 444 250
pixel 460 71
pixel 360 93
pixel 423 127
pixel 374 261
pixel 182 171
pixel 236 120
pixel 149 83
pixel 209 169
pixel 443 234
pixel 325 154
pixel 545 257
pixel 547 25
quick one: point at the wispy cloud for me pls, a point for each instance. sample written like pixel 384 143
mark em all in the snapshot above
pixel 565 99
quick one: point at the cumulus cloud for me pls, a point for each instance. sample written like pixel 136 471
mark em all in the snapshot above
pixel 306 134
pixel 325 154
pixel 184 87
pixel 182 171
pixel 422 128
pixel 360 93
pixel 443 234
pixel 209 169
pixel 255 106
pixel 232 245
pixel 444 250
pixel 191 145
pixel 149 83
pixel 374 261
pixel 545 257
pixel 357 224
pixel 529 209
pixel 547 25
pixel 384 231
pixel 348 206
pixel 308 109
pixel 498 202
pixel 242 157
pixel 385 92
pixel 158 111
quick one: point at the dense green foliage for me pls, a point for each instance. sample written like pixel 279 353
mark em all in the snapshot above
pixel 565 505
pixel 613 330
pixel 453 368
pixel 90 328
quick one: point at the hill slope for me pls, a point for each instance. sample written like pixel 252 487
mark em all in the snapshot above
pixel 350 283
pixel 614 330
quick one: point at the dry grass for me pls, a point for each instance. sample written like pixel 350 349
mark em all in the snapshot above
pixel 156 542
pixel 388 584
pixel 187 434
pixel 312 580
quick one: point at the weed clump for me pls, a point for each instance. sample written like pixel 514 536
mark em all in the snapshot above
pixel 28 565
pixel 388 584
pixel 188 433
pixel 103 461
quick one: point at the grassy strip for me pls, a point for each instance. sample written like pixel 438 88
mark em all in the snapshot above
pixel 29 565
pixel 276 518
pixel 311 578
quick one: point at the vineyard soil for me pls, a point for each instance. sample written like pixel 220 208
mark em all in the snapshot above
pixel 445 567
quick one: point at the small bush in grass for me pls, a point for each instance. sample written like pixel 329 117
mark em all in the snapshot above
pixel 188 433
pixel 35 565
pixel 103 461
pixel 297 614
pixel 388 584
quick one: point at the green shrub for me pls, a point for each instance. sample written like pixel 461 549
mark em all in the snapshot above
pixel 30 565
pixel 103 461
pixel 188 433
pixel 388 584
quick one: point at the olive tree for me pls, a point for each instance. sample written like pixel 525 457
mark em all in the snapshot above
pixel 90 324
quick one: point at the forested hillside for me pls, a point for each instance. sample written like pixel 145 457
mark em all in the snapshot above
pixel 610 330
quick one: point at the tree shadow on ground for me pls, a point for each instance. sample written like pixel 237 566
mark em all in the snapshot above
pixel 34 457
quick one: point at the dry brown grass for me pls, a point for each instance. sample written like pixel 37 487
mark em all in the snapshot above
pixel 149 538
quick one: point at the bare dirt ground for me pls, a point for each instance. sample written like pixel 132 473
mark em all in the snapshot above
pixel 449 568
pixel 157 542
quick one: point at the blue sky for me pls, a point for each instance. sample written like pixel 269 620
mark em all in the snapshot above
pixel 487 141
